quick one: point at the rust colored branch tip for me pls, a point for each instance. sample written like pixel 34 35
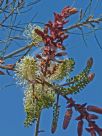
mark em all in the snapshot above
pixel 69 11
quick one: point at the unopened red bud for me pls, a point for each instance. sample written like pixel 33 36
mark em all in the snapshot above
pixel 67 118
pixel 91 76
pixel 80 128
pixel 92 116
pixel 94 109
pixel 73 11
pixel 61 54
pixel 90 62
pixel 39 32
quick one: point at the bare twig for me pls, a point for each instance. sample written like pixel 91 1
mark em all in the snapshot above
pixel 18 51
pixel 6 67
pixel 85 23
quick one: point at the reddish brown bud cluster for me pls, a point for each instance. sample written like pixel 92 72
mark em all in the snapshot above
pixel 83 110
pixel 53 37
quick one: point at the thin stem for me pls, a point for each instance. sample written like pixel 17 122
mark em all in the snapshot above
pixel 96 20
pixel 37 125
pixel 19 50
pixel 7 67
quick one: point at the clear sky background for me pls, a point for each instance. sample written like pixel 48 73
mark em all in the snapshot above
pixel 11 98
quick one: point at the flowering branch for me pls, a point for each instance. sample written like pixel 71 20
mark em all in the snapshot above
pixel 42 75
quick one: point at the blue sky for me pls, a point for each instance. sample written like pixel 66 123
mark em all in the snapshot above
pixel 11 98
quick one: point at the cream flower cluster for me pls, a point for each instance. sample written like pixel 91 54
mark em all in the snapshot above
pixel 35 100
pixel 30 33
pixel 26 70
pixel 36 96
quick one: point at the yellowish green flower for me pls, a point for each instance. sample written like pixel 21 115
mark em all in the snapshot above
pixel 36 99
pixel 63 69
